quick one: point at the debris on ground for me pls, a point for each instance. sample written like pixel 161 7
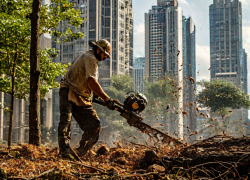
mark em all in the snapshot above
pixel 219 157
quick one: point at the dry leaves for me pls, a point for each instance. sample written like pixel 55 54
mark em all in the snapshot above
pixel 127 160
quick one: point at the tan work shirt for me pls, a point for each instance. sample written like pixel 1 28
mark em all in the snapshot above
pixel 84 66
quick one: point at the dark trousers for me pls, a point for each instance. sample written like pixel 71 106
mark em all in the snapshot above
pixel 85 116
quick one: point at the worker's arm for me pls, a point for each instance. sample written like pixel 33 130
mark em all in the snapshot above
pixel 96 88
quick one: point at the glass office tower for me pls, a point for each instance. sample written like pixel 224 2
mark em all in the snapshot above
pixel 227 57
pixel 189 70
pixel 226 40
pixel 164 49
pixel 139 74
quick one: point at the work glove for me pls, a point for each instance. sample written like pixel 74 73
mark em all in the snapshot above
pixel 110 104
pixel 95 96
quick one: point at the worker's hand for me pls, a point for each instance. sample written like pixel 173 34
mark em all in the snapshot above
pixel 110 104
pixel 95 96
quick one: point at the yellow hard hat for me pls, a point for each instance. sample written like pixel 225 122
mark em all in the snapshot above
pixel 103 44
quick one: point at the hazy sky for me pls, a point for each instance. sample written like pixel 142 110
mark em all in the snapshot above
pixel 199 11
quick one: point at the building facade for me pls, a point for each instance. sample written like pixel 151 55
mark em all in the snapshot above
pixel 189 70
pixel 244 70
pixel 228 59
pixel 164 50
pixel 226 40
pixel 139 74
pixel 105 19
pixel 245 88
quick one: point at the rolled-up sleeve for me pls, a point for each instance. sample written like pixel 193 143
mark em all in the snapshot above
pixel 91 67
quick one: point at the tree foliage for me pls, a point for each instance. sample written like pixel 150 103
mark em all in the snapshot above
pixel 49 72
pixel 15 40
pixel 161 95
pixel 220 95
pixel 119 87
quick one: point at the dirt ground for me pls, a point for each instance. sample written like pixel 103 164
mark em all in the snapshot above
pixel 219 157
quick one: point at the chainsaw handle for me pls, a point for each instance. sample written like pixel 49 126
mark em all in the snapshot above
pixel 118 105
pixel 99 101
pixel 120 108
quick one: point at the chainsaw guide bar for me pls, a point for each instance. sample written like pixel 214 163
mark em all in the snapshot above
pixel 136 121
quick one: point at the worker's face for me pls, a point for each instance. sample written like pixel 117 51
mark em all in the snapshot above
pixel 101 55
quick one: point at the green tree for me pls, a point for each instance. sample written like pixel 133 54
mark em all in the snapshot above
pixel 161 94
pixel 220 96
pixel 15 39
pixel 119 87
pixel 34 106
pixel 58 11
pixel 162 101
pixel 49 72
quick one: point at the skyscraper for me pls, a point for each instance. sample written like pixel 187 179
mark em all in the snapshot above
pixel 244 87
pixel 189 50
pixel 244 70
pixel 105 19
pixel 139 74
pixel 164 49
pixel 189 70
pixel 226 40
pixel 227 57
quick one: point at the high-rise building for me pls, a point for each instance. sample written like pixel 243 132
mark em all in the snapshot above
pixel 189 70
pixel 244 70
pixel 226 40
pixel 189 50
pixel 19 123
pixel 163 35
pixel 46 115
pixel 139 74
pixel 244 87
pixel 106 19
pixel 227 57
pixel 164 49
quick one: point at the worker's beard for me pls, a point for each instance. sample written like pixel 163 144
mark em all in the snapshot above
pixel 98 56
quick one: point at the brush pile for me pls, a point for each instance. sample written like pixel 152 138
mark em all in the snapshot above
pixel 219 157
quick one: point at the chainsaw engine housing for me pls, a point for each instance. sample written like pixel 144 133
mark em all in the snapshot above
pixel 135 102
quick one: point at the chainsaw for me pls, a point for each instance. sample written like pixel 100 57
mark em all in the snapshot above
pixel 133 105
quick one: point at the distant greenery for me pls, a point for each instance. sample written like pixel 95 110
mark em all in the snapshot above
pixel 119 87
pixel 221 95
pixel 161 95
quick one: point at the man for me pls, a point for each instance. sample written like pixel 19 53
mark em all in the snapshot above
pixel 76 92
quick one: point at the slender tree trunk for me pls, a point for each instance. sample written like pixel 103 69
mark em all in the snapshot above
pixel 12 99
pixel 34 107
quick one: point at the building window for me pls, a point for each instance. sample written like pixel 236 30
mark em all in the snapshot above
pixel 71 47
pixel 65 58
pixel 92 34
pixel 65 48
